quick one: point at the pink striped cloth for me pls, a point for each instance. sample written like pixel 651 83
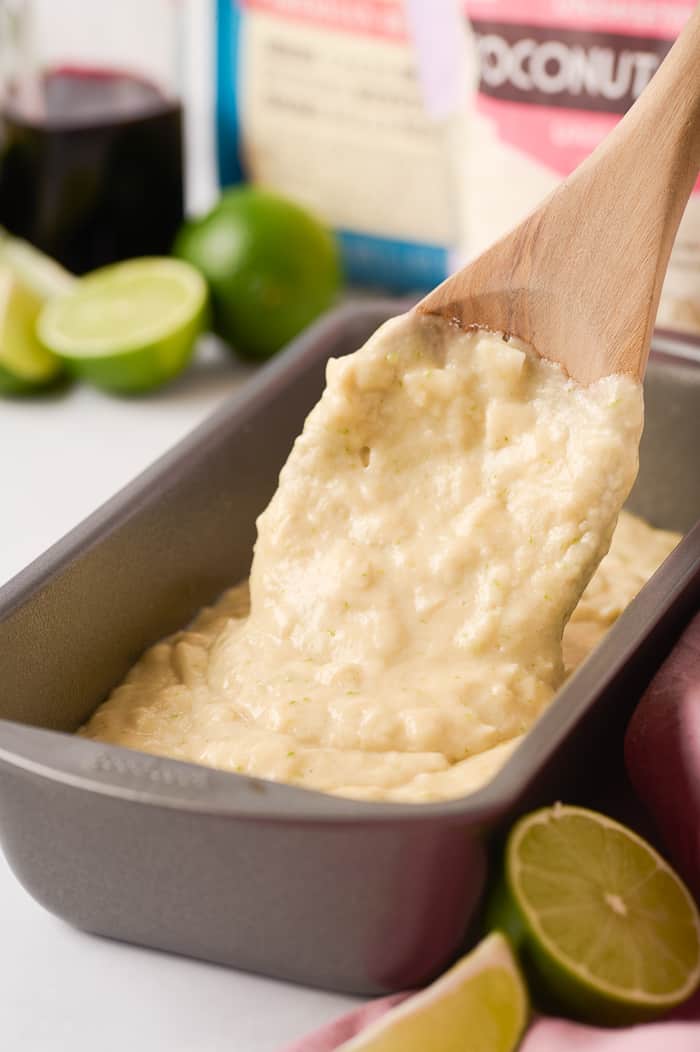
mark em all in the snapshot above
pixel 681 1033
pixel 668 783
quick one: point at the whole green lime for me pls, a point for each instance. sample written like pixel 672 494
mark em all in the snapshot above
pixel 271 267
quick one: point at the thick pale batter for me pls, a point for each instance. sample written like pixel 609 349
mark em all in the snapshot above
pixel 434 527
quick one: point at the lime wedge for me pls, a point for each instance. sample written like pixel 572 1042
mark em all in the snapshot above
pixel 130 326
pixel 25 366
pixel 38 272
pixel 605 928
pixel 480 1004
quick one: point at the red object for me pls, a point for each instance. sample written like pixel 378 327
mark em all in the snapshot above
pixel 662 754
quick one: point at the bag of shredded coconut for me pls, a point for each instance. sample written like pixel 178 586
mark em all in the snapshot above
pixel 554 76
pixel 350 107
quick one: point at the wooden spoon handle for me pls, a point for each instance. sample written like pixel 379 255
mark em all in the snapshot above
pixel 667 116
pixel 580 278
pixel 656 150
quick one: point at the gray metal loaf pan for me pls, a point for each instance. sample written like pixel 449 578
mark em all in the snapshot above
pixel 356 897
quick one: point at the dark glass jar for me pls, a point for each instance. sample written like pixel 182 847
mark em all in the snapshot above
pixel 91 127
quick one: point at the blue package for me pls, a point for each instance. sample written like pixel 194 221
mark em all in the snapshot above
pixel 324 102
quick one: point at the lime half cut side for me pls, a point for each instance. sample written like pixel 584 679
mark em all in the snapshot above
pixel 38 272
pixel 609 930
pixel 130 326
pixel 480 1004
pixel 25 366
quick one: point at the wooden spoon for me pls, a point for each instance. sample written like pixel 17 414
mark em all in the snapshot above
pixel 580 278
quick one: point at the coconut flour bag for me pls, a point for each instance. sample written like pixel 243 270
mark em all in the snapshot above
pixel 351 108
pixel 419 127
pixel 553 77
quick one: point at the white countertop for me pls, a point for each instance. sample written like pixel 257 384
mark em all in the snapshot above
pixel 61 989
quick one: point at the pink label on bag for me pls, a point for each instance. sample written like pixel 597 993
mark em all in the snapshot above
pixel 378 18
pixel 657 18
pixel 556 79
pixel 547 133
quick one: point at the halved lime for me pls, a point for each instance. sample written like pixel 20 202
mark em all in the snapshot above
pixel 130 326
pixel 38 272
pixel 604 926
pixel 25 366
pixel 480 1004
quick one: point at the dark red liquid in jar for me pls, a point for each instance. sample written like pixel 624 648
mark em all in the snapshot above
pixel 91 172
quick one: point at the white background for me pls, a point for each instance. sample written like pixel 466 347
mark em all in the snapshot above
pixel 61 458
